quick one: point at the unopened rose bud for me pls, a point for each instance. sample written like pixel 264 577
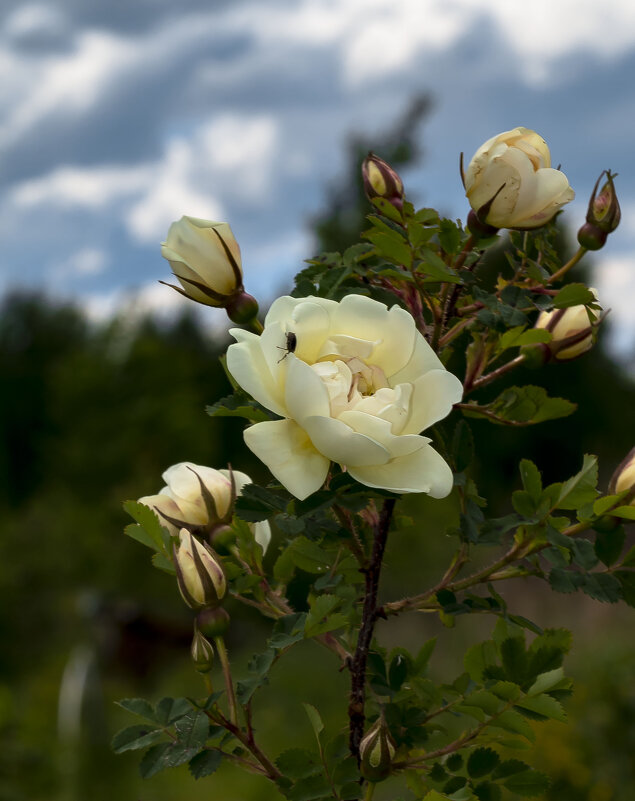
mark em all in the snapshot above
pixel 376 752
pixel 205 258
pixel 242 308
pixel 213 622
pixel 202 652
pixel 510 182
pixel 381 180
pixel 199 574
pixel 603 215
pixel 571 329
pixel 202 499
pixel 623 478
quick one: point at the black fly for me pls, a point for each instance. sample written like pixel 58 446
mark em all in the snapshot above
pixel 292 341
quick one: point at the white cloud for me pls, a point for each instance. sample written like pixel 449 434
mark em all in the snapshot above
pixel 84 262
pixel 33 18
pixel 614 278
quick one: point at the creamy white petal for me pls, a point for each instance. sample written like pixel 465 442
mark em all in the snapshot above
pixel 423 360
pixel 289 454
pixel 262 534
pixel 433 397
pixel 305 393
pixel 393 330
pixel 246 362
pixel 380 431
pixel 548 188
pixel 341 444
pixel 162 504
pixel 421 471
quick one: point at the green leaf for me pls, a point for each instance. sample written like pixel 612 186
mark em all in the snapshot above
pixel 320 618
pixel 169 710
pixel 148 519
pixel 564 580
pixel 398 670
pixel 391 246
pixel 205 763
pixel 532 481
pixel 287 631
pixel 514 659
pixel 481 762
pixel 255 503
pixel 192 730
pixel 135 737
pixel 314 719
pixel 433 795
pixel 573 295
pixel 238 405
pixel 627 512
pixel 478 657
pixel 580 489
pixel 602 586
pixel 514 722
pixel 629 559
pixel 153 760
pixel 545 706
pixel 528 783
pixel 454 763
pixel 626 579
pixel 517 337
pixel 308 556
pixel 138 706
pixel 297 763
pixel 138 533
pixel 435 269
pixel 487 791
pixel 449 236
pixel 546 681
pixel 161 562
pixel 584 553
pixel 521 406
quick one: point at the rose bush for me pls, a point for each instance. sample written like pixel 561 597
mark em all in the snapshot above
pixel 205 258
pixel 513 172
pixel 182 501
pixel 359 386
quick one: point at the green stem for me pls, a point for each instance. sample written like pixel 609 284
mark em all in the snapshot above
pixel 565 269
pixel 229 684
pixel 487 379
pixel 370 791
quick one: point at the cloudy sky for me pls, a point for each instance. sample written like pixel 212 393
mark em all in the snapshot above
pixel 117 117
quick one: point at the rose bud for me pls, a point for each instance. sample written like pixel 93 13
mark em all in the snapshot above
pixel 213 622
pixel 199 574
pixel 571 330
pixel 603 215
pixel 205 258
pixel 202 499
pixel 202 652
pixel 380 180
pixel 510 182
pixel 376 752
pixel 623 478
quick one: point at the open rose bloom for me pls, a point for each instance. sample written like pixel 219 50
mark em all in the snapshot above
pixel 513 171
pixel 359 386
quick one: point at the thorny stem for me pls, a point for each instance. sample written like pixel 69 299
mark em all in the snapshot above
pixel 356 545
pixel 369 617
pixel 565 269
pixel 519 550
pixel 229 684
pixel 248 741
pixel 487 379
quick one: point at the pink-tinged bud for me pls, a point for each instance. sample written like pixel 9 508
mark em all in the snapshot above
pixel 242 308
pixel 381 180
pixel 623 478
pixel 603 215
pixel 573 333
pixel 202 652
pixel 376 752
pixel 213 622
pixel 199 574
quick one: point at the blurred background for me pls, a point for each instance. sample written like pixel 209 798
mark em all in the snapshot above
pixel 116 119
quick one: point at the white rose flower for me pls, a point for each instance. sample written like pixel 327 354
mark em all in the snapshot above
pixel 359 386
pixel 205 258
pixel 182 498
pixel 514 170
